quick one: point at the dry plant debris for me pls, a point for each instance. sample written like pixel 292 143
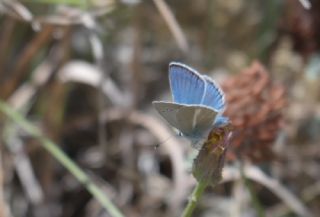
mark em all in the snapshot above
pixel 254 107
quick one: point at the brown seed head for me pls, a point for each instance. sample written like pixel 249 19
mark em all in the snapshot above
pixel 254 105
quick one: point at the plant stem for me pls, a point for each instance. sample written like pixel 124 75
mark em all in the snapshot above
pixel 193 200
pixel 255 201
pixel 70 165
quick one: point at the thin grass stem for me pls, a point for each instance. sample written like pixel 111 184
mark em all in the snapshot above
pixel 69 164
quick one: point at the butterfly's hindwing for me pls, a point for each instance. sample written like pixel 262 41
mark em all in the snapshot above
pixel 195 120
pixel 168 111
pixel 213 97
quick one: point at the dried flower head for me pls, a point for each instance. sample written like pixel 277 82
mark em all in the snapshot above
pixel 254 105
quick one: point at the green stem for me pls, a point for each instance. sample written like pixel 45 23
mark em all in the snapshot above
pixel 193 200
pixel 70 165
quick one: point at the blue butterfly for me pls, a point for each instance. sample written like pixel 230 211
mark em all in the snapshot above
pixel 197 105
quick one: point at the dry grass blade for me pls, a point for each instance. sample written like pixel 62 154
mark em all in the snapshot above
pixel 255 174
pixel 60 156
pixel 97 50
pixel 17 10
pixel 173 24
pixel 91 75
pixel 172 146
pixel 308 194
pixel 4 210
pixel 19 71
pixel 65 16
pixel 41 74
pixel 83 72
pixel 7 36
pixel 25 171
pixel 305 3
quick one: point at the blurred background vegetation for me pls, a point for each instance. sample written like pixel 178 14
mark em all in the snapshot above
pixel 85 73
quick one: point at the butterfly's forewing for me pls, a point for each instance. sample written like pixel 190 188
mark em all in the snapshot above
pixel 213 96
pixel 186 84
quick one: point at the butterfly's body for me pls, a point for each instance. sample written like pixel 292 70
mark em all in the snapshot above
pixel 197 103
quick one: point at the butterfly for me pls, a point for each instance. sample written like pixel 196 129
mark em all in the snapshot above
pixel 198 103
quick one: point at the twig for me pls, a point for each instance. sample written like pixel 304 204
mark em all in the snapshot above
pixel 308 194
pixel 255 174
pixel 3 207
pixel 83 72
pixel 6 37
pixel 56 152
pixel 136 81
pixel 24 168
pixel 306 4
pixel 22 96
pixel 89 74
pixel 172 146
pixel 24 59
pixel 15 9
pixel 241 198
pixel 66 16
pixel 254 199
pixel 98 54
pixel 172 24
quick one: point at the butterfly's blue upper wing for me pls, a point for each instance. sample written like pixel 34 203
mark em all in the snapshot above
pixel 213 96
pixel 198 103
pixel 187 86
